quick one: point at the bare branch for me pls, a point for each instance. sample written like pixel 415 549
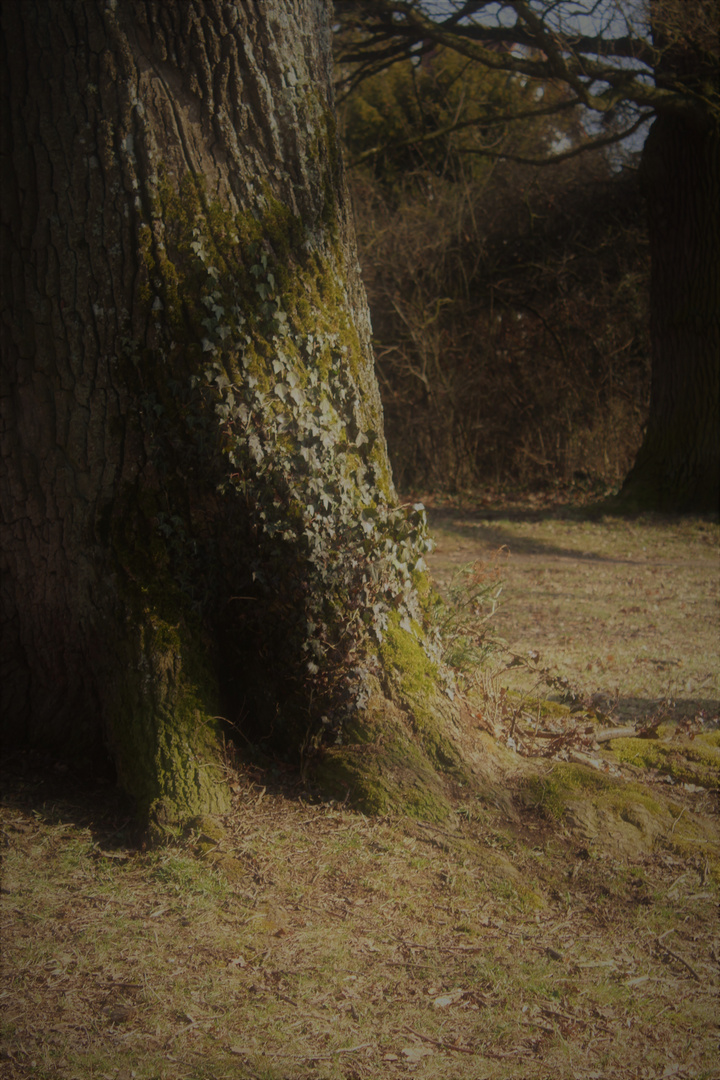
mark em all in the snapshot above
pixel 595 67
pixel 554 159
pixel 462 125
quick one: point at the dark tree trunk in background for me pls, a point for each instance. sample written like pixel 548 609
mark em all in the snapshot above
pixel 678 465
pixel 197 511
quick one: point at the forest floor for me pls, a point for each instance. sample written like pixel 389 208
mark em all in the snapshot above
pixel 566 928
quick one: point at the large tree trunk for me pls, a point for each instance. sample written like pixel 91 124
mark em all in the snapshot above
pixel 198 515
pixel 678 464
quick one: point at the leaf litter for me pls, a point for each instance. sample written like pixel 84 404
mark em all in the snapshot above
pixel 308 941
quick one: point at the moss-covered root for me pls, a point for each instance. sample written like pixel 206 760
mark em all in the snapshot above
pixel 163 727
pixel 382 768
pixel 623 819
pixel 403 752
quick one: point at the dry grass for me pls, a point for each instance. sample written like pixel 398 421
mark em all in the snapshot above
pixel 627 610
pixel 297 940
pixel 313 942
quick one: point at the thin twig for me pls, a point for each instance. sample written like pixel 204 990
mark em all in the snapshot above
pixel 465 949
pixel 324 1057
pixel 442 1045
pixel 563 1015
pixel 680 960
pixel 435 828
pixel 615 733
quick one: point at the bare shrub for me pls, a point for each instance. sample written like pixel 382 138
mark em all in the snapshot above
pixel 510 323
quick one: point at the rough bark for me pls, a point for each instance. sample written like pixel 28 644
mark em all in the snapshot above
pixel 198 515
pixel 678 465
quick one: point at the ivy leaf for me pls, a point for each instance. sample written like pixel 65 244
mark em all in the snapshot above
pixel 255 448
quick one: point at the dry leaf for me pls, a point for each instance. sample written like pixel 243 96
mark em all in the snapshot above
pixel 119 1014
pixel 447 999
pixel 414 1053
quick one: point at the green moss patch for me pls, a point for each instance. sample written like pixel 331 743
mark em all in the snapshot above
pixel 388 772
pixel 619 817
pixel 419 687
pixel 553 792
pixel 402 652
pixel 382 780
pixel 624 819
pixel 686 761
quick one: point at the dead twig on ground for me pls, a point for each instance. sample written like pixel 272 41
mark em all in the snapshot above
pixel 615 733
pixel 439 1043
pixel 680 959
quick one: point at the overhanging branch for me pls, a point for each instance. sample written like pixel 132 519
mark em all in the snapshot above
pixel 463 125
pixel 529 47
pixel 555 159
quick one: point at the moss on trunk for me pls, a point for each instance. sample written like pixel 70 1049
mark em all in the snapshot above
pixel 232 532
pixel 270 487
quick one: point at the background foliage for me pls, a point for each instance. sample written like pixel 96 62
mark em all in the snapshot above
pixel 509 301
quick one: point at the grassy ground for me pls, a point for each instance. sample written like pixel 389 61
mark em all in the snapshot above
pixel 565 926
pixel 627 610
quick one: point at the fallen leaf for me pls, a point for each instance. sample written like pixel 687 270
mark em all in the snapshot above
pixel 119 1014
pixel 414 1053
pixel 447 999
